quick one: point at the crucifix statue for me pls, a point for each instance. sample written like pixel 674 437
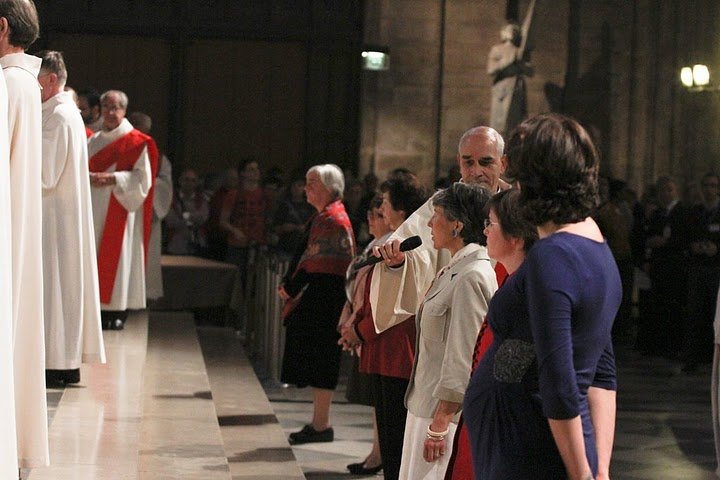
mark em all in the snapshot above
pixel 509 64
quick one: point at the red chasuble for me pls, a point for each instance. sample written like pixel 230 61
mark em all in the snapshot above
pixel 123 153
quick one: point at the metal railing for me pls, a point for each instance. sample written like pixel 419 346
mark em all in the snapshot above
pixel 264 332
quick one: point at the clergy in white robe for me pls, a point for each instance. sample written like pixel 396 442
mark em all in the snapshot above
pixel 396 292
pixel 72 295
pixel 123 163
pixel 162 200
pixel 8 440
pixel 161 206
pixel 25 137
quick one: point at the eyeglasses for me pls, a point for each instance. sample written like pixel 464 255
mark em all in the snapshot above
pixel 488 223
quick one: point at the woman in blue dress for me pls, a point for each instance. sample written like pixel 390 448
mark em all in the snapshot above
pixel 541 404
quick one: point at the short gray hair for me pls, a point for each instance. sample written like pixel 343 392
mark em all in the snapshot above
pixel 53 62
pixel 465 202
pixel 487 132
pixel 332 177
pixel 120 94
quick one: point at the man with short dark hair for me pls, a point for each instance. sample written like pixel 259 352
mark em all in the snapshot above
pixel 19 28
pixel 72 301
pixel 89 105
pixel 123 165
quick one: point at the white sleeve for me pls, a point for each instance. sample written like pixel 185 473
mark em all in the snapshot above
pixel 54 154
pixel 163 188
pixel 132 187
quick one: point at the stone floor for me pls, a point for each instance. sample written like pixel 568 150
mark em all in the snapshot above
pixel 179 402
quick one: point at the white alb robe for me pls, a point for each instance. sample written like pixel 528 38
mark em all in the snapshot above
pixel 131 190
pixel 25 135
pixel 162 201
pixel 8 439
pixel 73 333
pixel 396 293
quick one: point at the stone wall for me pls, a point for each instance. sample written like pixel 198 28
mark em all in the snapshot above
pixel 613 64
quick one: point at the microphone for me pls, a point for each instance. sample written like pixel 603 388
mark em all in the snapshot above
pixel 410 243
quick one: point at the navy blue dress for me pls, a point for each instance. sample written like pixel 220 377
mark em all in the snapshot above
pixel 551 323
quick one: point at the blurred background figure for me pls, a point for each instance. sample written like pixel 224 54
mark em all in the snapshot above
pixel 615 228
pixel 185 222
pixel 243 218
pixel 291 217
pixel 704 274
pixel 666 241
pixel 217 236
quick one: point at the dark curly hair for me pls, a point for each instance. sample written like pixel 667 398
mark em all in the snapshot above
pixel 466 203
pixel 513 223
pixel 404 192
pixel 556 163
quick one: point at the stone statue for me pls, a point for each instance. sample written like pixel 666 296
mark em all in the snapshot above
pixel 508 64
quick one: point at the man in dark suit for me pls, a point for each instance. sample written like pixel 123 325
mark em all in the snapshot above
pixel 666 240
pixel 704 274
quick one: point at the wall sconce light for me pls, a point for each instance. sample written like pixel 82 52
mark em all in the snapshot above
pixel 375 58
pixel 697 78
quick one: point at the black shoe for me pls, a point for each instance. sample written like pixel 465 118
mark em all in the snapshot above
pixel 53 379
pixel 360 469
pixel 309 435
pixel 70 376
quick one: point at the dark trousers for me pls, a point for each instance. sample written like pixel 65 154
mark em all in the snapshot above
pixel 661 333
pixel 390 414
pixel 703 284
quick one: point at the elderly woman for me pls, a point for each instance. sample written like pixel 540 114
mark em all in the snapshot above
pixel 314 292
pixel 447 323
pixel 509 238
pixel 541 404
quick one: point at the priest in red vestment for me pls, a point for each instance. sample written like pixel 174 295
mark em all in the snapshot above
pixel 123 165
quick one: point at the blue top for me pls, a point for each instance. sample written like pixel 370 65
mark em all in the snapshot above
pixel 551 322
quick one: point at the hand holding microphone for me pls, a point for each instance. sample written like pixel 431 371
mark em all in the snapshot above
pixel 391 252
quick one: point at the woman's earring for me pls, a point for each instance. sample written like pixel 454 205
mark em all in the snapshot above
pixel 454 232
